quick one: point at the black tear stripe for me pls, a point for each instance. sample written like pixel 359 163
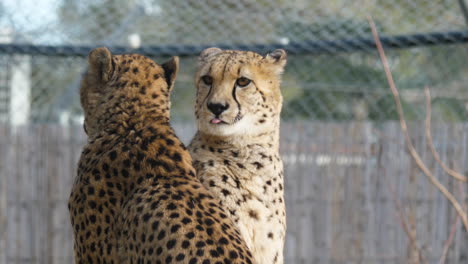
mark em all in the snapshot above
pixel 235 86
pixel 209 91
pixel 235 98
pixel 222 75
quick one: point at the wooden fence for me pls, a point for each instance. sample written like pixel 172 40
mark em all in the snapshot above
pixel 343 181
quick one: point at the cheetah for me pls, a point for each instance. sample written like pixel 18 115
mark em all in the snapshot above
pixel 136 198
pixel 236 147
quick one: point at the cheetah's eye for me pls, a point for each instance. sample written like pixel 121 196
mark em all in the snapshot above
pixel 242 82
pixel 208 80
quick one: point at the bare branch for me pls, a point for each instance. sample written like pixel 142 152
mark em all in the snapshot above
pixel 414 154
pixel 453 230
pixel 449 241
pixel 449 171
pixel 404 224
pixel 464 9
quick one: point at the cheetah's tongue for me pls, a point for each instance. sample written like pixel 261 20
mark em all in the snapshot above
pixel 216 121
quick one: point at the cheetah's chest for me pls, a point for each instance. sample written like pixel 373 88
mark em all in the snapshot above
pixel 251 189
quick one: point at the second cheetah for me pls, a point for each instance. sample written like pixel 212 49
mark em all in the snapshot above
pixel 136 198
pixel 236 148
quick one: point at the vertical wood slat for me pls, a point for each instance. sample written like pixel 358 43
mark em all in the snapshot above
pixel 32 188
pixel 5 140
pixel 462 236
pixel 13 194
pixel 339 206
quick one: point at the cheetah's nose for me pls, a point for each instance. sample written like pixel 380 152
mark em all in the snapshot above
pixel 217 108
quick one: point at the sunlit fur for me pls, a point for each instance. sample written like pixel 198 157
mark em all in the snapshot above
pixel 136 198
pixel 243 115
pixel 239 161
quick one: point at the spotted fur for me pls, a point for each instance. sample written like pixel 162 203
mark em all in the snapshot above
pixel 236 147
pixel 136 198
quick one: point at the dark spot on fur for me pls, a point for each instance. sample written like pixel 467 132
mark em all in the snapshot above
pixel 253 214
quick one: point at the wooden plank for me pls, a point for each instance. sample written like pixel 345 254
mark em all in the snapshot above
pixel 43 174
pixel 326 194
pixel 293 236
pixel 371 183
pixel 13 199
pixel 312 187
pixel 55 170
pixel 460 164
pixel 339 211
pixel 338 190
pixel 34 201
pixel 389 227
pixel 5 140
pixel 77 141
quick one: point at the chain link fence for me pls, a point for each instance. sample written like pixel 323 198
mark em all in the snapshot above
pixel 333 72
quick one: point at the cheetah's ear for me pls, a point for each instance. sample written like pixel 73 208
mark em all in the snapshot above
pixel 207 53
pixel 100 63
pixel 278 59
pixel 171 68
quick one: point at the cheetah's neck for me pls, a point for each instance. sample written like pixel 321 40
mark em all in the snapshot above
pixel 267 140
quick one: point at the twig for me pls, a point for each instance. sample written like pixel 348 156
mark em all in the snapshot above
pixel 449 171
pixel 464 10
pixel 453 230
pixel 414 154
pixel 401 216
pixel 449 241
pixel 404 224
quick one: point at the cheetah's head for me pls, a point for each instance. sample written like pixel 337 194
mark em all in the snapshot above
pixel 238 92
pixel 116 88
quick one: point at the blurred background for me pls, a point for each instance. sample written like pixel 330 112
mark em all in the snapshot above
pixel 353 194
